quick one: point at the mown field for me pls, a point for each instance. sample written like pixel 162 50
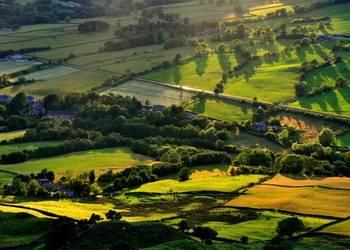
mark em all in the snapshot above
pixel 155 94
pixel 101 161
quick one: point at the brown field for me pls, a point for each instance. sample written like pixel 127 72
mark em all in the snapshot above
pixel 305 200
pixel 330 182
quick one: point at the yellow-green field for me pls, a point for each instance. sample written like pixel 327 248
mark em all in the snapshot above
pixel 10 148
pixel 219 184
pixel 101 161
pixel 342 228
pixel 11 135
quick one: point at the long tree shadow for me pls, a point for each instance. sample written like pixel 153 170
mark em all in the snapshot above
pixel 224 61
pixel 332 100
pixel 345 92
pixel 177 75
pixel 201 64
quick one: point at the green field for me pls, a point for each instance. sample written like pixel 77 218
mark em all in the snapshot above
pixel 273 79
pixel 5 178
pixel 223 110
pixel 11 135
pixel 262 228
pixel 203 72
pixel 334 102
pixel 101 160
pixel 75 82
pixel 10 148
pixel 8 67
pixel 47 74
pixel 344 140
pixel 218 184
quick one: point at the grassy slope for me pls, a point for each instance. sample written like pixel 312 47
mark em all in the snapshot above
pixel 220 184
pixel 18 229
pixel 342 228
pixel 101 160
pixel 10 148
pixel 5 178
pixel 263 228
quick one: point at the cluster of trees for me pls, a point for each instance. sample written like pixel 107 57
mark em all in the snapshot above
pixel 239 31
pixel 14 14
pixel 93 26
pixel 148 31
pixel 44 184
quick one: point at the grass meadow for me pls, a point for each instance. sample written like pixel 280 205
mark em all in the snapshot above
pixel 10 148
pixel 262 228
pixel 101 161
pixel 223 183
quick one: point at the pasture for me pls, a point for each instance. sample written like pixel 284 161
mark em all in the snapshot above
pixel 344 140
pixel 305 200
pixel 155 94
pixel 5 178
pixel 273 79
pixel 333 102
pixel 47 74
pixel 261 228
pixel 75 82
pixel 101 161
pixel 222 110
pixel 216 184
pixel 10 148
pixel 9 67
pixel 203 72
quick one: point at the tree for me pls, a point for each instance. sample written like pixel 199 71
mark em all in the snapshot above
pixel 113 215
pixel 183 226
pixel 18 104
pixel 92 177
pixel 293 164
pixel 326 137
pixel 300 89
pixel 184 174
pixel 204 233
pixel 290 226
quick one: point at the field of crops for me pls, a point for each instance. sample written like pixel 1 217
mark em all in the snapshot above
pixel 305 200
pixel 8 67
pixel 101 161
pixel 155 94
